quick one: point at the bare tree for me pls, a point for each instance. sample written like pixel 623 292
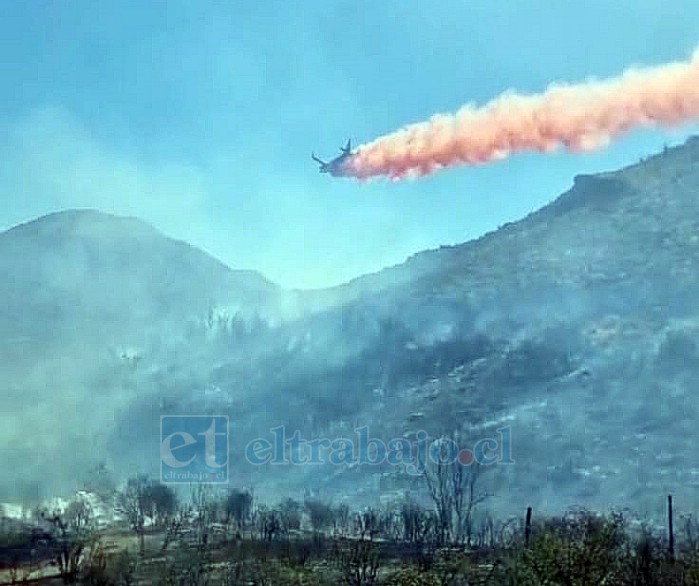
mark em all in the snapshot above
pixel 437 478
pixel 367 524
pixel 290 515
pixel 467 496
pixel 131 503
pixel 390 523
pixel 72 529
pixel 416 522
pixel 362 564
pixel 321 514
pixel 268 523
pixel 176 525
pixel 238 507
pixel 190 565
pixel 341 519
pixel 203 513
pixel 453 488
pixel 160 504
pixel 142 499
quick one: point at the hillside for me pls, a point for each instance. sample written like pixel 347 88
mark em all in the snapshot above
pixel 85 298
pixel 575 326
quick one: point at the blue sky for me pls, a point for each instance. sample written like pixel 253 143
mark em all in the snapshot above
pixel 200 117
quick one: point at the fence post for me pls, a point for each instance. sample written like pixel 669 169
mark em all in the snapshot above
pixel 671 534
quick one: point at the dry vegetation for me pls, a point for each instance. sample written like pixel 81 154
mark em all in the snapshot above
pixel 229 539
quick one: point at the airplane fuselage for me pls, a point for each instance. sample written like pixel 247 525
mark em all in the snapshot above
pixel 338 166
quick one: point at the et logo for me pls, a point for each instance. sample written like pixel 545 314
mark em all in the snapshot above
pixel 194 449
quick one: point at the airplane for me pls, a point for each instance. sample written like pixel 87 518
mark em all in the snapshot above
pixel 336 167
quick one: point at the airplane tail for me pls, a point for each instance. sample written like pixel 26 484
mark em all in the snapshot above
pixel 348 147
pixel 317 160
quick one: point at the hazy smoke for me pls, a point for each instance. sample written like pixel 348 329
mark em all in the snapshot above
pixel 578 117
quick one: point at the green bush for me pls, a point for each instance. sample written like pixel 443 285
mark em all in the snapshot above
pixel 578 549
pixel 412 577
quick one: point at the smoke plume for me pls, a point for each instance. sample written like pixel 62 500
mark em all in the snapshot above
pixel 578 117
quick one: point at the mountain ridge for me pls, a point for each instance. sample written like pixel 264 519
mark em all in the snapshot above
pixel 598 191
pixel 575 324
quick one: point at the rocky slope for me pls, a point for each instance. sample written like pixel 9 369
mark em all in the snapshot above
pixel 576 327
